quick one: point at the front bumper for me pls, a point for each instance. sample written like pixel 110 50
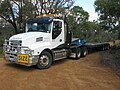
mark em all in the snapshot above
pixel 33 60
pixel 12 49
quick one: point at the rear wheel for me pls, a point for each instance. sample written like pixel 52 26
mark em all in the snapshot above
pixel 45 60
pixel 108 47
pixel 103 47
pixel 84 51
pixel 78 53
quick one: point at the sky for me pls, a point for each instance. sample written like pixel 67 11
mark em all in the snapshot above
pixel 88 5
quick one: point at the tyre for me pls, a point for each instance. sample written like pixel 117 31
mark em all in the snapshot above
pixel 45 60
pixel 103 47
pixel 84 51
pixel 108 47
pixel 78 53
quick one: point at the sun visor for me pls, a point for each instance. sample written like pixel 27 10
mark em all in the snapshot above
pixel 40 20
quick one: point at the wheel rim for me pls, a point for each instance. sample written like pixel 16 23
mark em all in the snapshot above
pixel 44 60
pixel 79 54
pixel 85 53
pixel 103 48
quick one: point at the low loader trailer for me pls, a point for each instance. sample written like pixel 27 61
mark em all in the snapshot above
pixel 98 46
pixel 46 40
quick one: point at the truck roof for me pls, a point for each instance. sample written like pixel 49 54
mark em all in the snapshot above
pixel 43 19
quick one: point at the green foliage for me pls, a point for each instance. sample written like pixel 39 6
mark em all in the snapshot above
pixel 27 9
pixel 1 40
pixel 80 14
pixel 109 12
pixel 82 28
pixel 76 19
pixel 4 7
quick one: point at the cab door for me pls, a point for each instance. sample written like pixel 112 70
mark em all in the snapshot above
pixel 57 33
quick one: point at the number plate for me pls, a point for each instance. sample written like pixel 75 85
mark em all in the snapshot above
pixel 23 58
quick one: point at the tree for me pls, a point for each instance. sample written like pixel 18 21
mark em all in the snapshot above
pixel 52 6
pixel 17 12
pixel 109 12
pixel 76 19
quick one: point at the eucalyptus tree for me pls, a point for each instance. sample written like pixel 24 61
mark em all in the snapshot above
pixel 16 12
pixel 52 6
pixel 76 19
pixel 109 12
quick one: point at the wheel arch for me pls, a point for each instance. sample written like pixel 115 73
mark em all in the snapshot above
pixel 83 46
pixel 50 51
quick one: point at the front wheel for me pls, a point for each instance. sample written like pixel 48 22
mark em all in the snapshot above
pixel 45 60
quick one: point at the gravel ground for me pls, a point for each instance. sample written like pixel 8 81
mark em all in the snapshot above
pixel 84 74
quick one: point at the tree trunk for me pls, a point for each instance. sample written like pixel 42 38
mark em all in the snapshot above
pixel 13 23
pixel 15 28
pixel 119 29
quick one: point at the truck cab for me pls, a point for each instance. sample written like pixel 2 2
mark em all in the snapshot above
pixel 46 39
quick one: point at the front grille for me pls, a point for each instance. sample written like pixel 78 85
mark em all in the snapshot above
pixel 12 46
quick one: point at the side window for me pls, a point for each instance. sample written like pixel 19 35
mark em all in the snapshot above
pixel 57 29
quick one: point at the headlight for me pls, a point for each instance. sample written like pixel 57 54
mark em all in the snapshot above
pixel 8 48
pixel 27 51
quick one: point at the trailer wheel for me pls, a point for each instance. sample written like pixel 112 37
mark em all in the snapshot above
pixel 84 51
pixel 103 47
pixel 45 60
pixel 78 53
pixel 108 47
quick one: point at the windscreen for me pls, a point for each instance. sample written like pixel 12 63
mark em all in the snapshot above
pixel 39 27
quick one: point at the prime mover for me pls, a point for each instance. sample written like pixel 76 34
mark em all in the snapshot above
pixel 46 39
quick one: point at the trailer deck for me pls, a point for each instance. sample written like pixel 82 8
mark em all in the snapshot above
pixel 91 45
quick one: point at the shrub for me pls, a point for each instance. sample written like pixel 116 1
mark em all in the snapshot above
pixel 112 58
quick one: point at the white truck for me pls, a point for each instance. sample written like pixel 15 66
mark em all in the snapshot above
pixel 46 40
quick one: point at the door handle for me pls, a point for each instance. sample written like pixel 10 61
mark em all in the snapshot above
pixel 60 40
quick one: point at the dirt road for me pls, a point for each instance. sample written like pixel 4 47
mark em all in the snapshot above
pixel 84 74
